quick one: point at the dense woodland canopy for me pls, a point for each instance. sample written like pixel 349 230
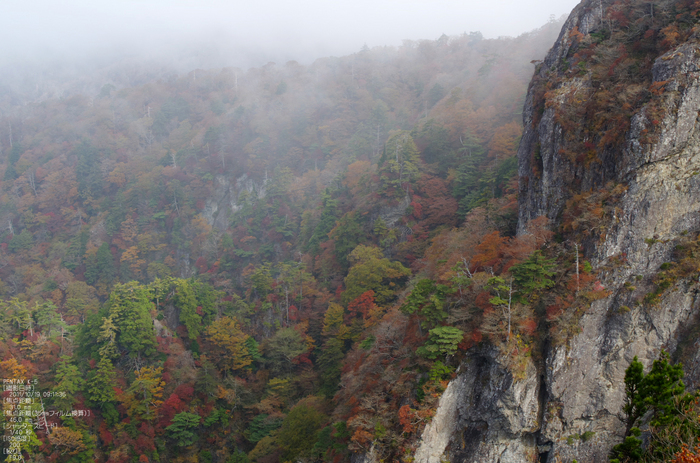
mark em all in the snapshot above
pixel 284 263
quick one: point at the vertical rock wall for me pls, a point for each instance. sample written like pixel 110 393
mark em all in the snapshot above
pixel 567 407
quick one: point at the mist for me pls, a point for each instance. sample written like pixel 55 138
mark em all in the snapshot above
pixel 45 44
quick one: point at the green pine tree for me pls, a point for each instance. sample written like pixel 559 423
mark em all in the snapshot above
pixel 325 223
pixel 533 275
pixel 427 300
pixel 186 301
pixel 661 393
pixel 184 429
pixel 99 386
pixel 129 307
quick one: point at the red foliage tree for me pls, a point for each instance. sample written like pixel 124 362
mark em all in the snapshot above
pixel 362 305
pixel 490 251
pixel 406 416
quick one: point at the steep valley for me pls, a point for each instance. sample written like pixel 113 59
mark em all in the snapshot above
pixel 406 254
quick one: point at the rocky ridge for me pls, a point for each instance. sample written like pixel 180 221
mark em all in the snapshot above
pixel 567 406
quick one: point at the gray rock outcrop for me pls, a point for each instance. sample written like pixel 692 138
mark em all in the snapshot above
pixel 568 406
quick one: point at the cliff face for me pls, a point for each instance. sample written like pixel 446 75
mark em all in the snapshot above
pixel 484 415
pixel 567 406
pixel 541 142
pixel 228 196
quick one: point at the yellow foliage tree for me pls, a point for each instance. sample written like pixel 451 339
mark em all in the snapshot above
pixel 131 257
pixel 67 441
pixel 370 270
pixel 333 322
pixel 127 233
pixel 118 175
pixel 229 344
pixel 145 393
pixel 12 369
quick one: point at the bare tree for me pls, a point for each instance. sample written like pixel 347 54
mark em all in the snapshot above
pixel 32 180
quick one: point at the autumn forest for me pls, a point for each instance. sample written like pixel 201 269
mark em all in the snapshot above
pixel 284 263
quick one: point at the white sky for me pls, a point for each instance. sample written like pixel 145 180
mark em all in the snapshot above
pixel 300 29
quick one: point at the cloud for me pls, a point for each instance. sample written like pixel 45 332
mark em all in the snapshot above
pixel 275 27
pixel 51 48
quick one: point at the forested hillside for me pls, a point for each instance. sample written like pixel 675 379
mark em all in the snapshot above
pixel 278 264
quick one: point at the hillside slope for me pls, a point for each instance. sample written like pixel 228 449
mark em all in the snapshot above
pixel 270 265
